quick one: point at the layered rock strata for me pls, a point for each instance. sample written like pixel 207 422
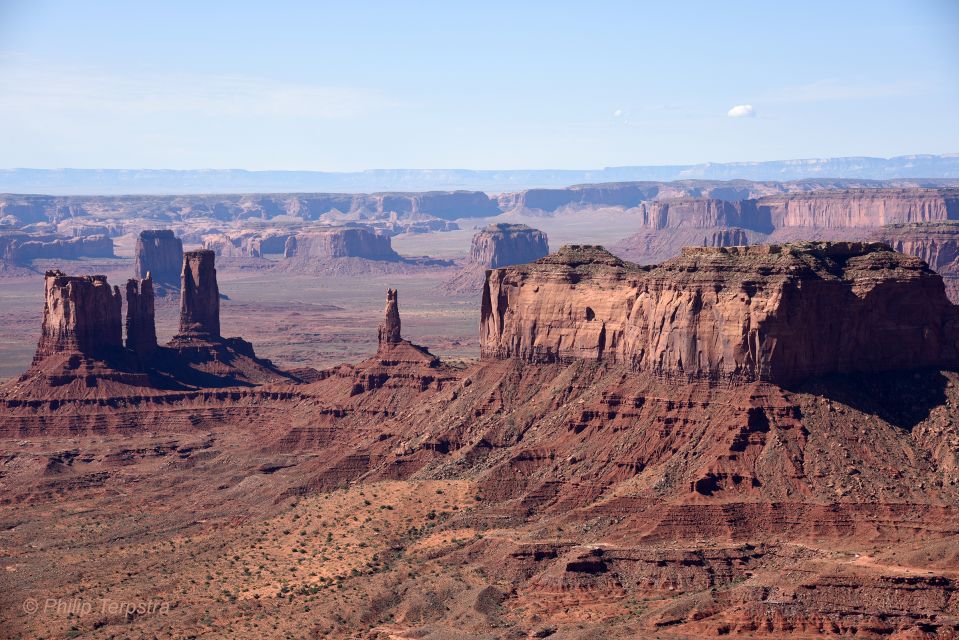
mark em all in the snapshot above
pixel 779 313
pixel 937 243
pixel 159 253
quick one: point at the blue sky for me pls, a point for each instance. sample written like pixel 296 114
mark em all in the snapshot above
pixel 358 85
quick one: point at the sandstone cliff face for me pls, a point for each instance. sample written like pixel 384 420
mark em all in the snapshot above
pixel 501 245
pixel 159 253
pixel 857 208
pixel 935 242
pixel 704 213
pixel 357 242
pixel 141 321
pixel 199 295
pixel 81 314
pixel 776 313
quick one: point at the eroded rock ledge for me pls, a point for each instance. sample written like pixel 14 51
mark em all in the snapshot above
pixel 779 313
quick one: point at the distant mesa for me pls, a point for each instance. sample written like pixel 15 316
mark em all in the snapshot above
pixel 777 313
pixel 19 248
pixel 248 244
pixel 346 242
pixel 498 245
pixel 502 245
pixel 159 253
pixel 668 224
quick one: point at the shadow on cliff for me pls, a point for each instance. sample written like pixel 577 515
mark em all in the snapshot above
pixel 901 398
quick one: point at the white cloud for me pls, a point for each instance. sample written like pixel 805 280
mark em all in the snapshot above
pixel 742 111
pixel 617 113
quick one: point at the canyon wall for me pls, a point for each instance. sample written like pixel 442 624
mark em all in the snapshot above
pixel 159 253
pixel 356 242
pixel 770 312
pixel 858 208
pixel 501 245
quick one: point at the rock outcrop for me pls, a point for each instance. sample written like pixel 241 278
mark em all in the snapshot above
pixel 159 253
pixel 771 313
pixel 726 237
pixel 81 315
pixel 346 242
pixel 502 245
pixel 247 244
pixel 393 349
pixel 141 321
pixel 389 330
pixel 199 295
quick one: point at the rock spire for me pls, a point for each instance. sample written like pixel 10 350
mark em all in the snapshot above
pixel 389 331
pixel 199 295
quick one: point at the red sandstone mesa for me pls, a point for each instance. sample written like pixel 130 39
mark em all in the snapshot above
pixel 776 313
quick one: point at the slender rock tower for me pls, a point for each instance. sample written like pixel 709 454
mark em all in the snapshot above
pixel 141 324
pixel 389 331
pixel 199 295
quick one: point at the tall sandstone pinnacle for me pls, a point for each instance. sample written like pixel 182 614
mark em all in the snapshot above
pixel 778 313
pixel 389 330
pixel 81 314
pixel 141 322
pixel 159 253
pixel 199 295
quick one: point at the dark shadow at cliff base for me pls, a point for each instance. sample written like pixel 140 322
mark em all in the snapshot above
pixel 901 398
